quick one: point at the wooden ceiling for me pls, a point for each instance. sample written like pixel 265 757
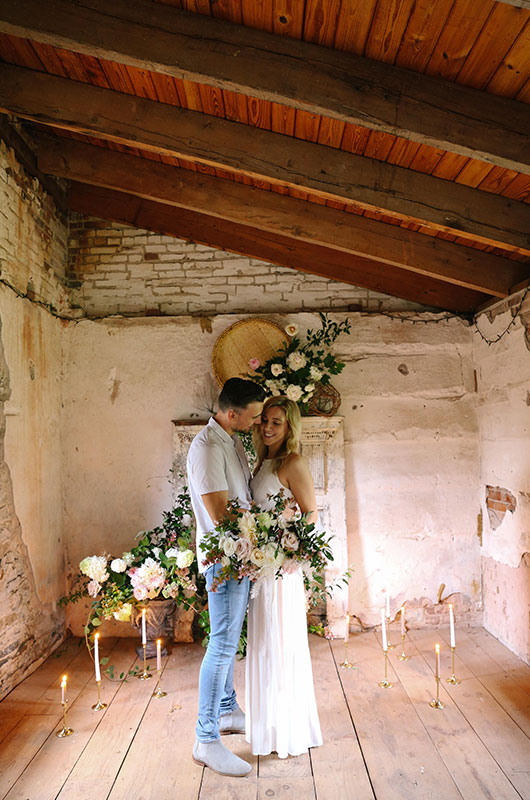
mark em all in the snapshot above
pixel 383 143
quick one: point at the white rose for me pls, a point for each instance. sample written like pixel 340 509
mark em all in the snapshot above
pixel 276 369
pixel 172 552
pixel 118 565
pixel 257 557
pixel 229 546
pixel 296 360
pixel 291 329
pixel 186 520
pixel 294 392
pixel 309 388
pixel 156 552
pixel 225 561
pixel 185 559
pixel 315 374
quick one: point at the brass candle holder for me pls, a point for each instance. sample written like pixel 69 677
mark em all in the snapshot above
pixel 145 675
pixel 346 664
pixel 453 679
pixel 99 706
pixel 437 703
pixel 403 657
pixel 385 683
pixel 158 691
pixel 389 643
pixel 65 730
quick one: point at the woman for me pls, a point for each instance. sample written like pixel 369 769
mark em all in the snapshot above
pixel 281 711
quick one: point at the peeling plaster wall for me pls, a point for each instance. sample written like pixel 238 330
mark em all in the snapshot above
pixel 32 262
pixel 411 451
pixel 503 379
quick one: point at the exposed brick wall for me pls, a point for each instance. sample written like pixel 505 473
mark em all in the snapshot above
pixel 498 502
pixel 120 270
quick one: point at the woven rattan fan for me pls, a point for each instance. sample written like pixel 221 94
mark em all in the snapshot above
pixel 250 338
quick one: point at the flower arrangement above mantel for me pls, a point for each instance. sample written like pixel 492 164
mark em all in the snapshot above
pixel 301 368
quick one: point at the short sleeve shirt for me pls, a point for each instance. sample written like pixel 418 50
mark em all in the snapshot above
pixel 216 463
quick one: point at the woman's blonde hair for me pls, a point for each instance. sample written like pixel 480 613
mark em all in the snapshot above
pixel 291 443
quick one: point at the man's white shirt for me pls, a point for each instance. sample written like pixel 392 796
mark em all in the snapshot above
pixel 216 462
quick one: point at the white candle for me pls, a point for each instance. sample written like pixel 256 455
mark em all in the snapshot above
pixel 159 654
pixel 63 689
pixel 383 630
pixel 452 624
pixel 387 605
pixel 403 620
pixel 144 636
pixel 347 631
pixel 437 648
pixel 96 657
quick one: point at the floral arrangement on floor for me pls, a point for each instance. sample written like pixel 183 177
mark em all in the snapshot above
pixel 162 564
pixel 298 368
pixel 259 544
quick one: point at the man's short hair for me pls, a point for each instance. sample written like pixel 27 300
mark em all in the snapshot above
pixel 238 394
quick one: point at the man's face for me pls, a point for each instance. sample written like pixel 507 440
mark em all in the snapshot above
pixel 244 420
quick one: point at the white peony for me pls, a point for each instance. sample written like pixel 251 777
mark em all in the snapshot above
pixel 315 374
pixel 276 369
pixel 294 392
pixel 118 565
pixel 296 360
pixel 185 559
pixel 95 567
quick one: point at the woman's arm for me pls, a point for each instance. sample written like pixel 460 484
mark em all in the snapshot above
pixel 295 474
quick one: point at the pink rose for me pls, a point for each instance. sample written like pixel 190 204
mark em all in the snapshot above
pixel 254 363
pixel 93 588
pixel 140 592
pixel 243 549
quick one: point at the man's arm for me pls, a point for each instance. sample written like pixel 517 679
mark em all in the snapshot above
pixel 215 504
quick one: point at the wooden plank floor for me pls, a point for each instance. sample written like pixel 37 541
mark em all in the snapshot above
pixel 383 744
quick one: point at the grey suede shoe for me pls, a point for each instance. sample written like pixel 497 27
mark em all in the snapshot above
pixel 234 722
pixel 216 756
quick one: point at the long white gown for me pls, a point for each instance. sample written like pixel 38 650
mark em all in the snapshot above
pixel 281 710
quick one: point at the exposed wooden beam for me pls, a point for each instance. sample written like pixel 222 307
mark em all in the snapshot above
pixel 313 259
pixel 279 214
pixel 298 74
pixel 331 173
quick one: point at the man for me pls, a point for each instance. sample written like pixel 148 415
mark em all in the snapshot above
pixel 218 472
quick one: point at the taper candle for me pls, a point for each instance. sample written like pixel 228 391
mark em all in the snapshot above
pixel 403 620
pixel 159 654
pixel 452 624
pixel 437 649
pixel 383 630
pixel 387 605
pixel 63 689
pixel 347 631
pixel 96 657
pixel 144 636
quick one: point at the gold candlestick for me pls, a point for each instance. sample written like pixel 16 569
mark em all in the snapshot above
pixel 65 730
pixel 346 664
pixel 437 703
pixel 389 643
pixel 453 679
pixel 158 691
pixel 403 657
pixel 145 675
pixel 99 706
pixel 386 684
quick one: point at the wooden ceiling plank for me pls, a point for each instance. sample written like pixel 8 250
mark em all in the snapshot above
pixel 309 258
pixel 264 155
pixel 423 30
pixel 514 69
pixel 386 32
pixel 353 26
pixel 302 75
pixel 288 18
pixel 463 26
pixel 279 214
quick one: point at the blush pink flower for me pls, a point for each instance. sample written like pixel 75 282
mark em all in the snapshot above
pixel 140 592
pixel 93 588
pixel 254 363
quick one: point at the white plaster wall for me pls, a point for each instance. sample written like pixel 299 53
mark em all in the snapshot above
pixel 411 443
pixel 503 374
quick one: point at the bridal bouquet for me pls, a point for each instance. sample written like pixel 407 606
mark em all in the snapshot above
pixel 259 544
pixel 162 564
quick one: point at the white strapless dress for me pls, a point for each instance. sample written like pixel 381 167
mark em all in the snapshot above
pixel 281 710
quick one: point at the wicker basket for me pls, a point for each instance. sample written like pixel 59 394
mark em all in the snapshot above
pixel 250 338
pixel 325 401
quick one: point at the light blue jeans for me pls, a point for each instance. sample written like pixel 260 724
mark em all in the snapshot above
pixel 227 607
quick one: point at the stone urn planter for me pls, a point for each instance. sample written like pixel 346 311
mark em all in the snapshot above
pixel 158 624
